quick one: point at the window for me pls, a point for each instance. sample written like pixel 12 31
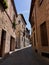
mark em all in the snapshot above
pixel 19 22
pixel 40 2
pixel 43 30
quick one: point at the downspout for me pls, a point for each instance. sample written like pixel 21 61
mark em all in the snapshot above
pixel 36 23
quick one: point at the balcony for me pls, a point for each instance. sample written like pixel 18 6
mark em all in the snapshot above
pixel 4 4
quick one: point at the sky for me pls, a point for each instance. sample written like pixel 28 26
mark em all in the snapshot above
pixel 23 7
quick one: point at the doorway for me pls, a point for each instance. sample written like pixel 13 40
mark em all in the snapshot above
pixel 2 46
pixel 12 44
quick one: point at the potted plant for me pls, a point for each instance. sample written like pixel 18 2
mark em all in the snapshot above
pixel 4 4
pixel 14 25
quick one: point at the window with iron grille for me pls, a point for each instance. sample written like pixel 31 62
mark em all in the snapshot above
pixel 43 30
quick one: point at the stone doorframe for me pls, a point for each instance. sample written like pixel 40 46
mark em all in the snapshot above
pixel 2 45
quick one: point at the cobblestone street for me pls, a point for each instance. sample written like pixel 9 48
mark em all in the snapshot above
pixel 24 57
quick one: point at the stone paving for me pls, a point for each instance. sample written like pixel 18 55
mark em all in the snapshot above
pixel 24 57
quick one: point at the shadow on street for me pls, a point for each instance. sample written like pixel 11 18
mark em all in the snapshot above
pixel 23 57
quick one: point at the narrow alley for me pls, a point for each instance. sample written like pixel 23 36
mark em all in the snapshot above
pixel 24 57
pixel 24 32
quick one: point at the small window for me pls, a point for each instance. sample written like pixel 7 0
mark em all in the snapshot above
pixel 19 22
pixel 40 2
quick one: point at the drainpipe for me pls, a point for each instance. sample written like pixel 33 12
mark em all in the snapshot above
pixel 36 23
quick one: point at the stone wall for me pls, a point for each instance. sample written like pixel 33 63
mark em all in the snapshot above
pixel 41 15
pixel 6 25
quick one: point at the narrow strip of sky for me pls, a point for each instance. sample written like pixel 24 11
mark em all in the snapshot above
pixel 23 7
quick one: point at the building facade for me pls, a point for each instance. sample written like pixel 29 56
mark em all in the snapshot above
pixel 20 31
pixel 39 19
pixel 7 34
pixel 27 37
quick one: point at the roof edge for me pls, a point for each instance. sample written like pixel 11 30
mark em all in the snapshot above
pixel 31 8
pixel 23 18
